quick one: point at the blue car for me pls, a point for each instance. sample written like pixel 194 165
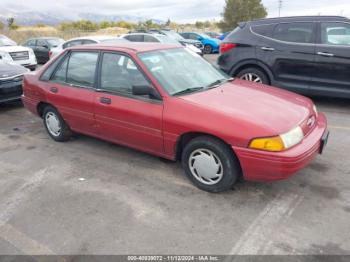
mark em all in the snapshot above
pixel 211 45
pixel 223 36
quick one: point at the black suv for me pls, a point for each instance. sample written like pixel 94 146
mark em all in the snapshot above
pixel 309 55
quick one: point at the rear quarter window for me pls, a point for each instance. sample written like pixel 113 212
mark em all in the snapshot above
pixel 263 30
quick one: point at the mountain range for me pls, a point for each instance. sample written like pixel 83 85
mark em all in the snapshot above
pixel 48 18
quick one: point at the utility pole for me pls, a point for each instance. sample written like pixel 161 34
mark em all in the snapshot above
pixel 280 3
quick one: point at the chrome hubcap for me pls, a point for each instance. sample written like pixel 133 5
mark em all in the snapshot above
pixel 53 124
pixel 206 167
pixel 251 77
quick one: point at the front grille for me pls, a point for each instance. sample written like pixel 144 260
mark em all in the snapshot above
pixel 11 80
pixel 16 56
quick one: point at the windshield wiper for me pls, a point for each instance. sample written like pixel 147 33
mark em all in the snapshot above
pixel 217 83
pixel 188 90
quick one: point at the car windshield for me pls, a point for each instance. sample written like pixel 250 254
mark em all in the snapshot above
pixel 181 71
pixel 4 41
pixel 55 42
pixel 204 35
pixel 167 40
pixel 173 35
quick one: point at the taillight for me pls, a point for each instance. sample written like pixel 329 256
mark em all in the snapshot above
pixel 225 47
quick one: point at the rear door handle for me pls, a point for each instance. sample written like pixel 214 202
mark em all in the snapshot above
pixel 105 100
pixel 325 54
pixel 54 90
pixel 265 48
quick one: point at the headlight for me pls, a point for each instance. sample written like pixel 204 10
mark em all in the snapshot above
pixel 279 143
pixel 5 57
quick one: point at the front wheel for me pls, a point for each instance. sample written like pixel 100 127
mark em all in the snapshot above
pixel 207 49
pixel 253 75
pixel 210 164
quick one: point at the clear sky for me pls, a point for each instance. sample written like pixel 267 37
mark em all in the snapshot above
pixel 178 10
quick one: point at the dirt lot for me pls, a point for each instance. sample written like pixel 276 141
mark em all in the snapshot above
pixel 91 197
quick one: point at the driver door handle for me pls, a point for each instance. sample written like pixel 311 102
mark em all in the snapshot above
pixel 325 54
pixel 54 90
pixel 265 48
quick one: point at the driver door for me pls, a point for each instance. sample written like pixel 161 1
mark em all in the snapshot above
pixel 121 117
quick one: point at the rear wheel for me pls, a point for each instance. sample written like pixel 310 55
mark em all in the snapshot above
pixel 253 75
pixel 210 164
pixel 55 125
pixel 207 49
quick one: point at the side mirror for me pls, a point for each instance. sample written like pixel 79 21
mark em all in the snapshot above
pixel 45 46
pixel 146 91
pixel 200 38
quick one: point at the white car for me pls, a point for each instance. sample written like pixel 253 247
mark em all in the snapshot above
pixel 83 41
pixel 158 38
pixel 10 52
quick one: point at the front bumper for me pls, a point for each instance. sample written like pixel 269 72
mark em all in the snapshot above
pixel 10 91
pixel 271 166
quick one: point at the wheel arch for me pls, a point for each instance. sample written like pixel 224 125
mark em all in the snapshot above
pixel 41 106
pixel 255 64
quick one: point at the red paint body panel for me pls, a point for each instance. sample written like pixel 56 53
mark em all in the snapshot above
pixel 235 112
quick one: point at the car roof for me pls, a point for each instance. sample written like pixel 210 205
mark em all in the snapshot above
pixel 93 37
pixel 127 47
pixel 299 19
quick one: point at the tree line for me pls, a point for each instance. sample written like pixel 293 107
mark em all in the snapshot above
pixel 235 11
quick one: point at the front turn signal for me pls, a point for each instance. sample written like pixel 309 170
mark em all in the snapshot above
pixel 273 144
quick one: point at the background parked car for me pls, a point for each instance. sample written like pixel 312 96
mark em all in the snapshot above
pixel 213 34
pixel 42 46
pixel 11 76
pixel 211 45
pixel 157 38
pixel 310 55
pixel 179 38
pixel 83 41
pixel 10 52
pixel 223 36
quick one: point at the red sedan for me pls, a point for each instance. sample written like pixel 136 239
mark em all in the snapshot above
pixel 170 102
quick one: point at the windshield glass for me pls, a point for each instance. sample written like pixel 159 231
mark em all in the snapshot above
pixel 204 35
pixel 179 69
pixel 55 42
pixel 173 35
pixel 167 40
pixel 4 41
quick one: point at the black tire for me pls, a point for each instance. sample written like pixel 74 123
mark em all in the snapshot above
pixel 230 164
pixel 255 71
pixel 65 132
pixel 208 49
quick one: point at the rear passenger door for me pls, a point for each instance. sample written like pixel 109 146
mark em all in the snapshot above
pixel 71 89
pixel 289 51
pixel 333 60
pixel 122 117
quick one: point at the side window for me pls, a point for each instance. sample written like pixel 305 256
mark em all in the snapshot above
pixel 30 42
pixel 61 72
pixel 47 74
pixel 135 38
pixel 264 30
pixel 41 42
pixel 149 38
pixel 88 42
pixel 81 68
pixel 119 74
pixel 72 43
pixel 335 33
pixel 299 32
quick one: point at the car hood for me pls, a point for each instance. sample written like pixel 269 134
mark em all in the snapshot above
pixel 14 48
pixel 275 110
pixel 9 70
